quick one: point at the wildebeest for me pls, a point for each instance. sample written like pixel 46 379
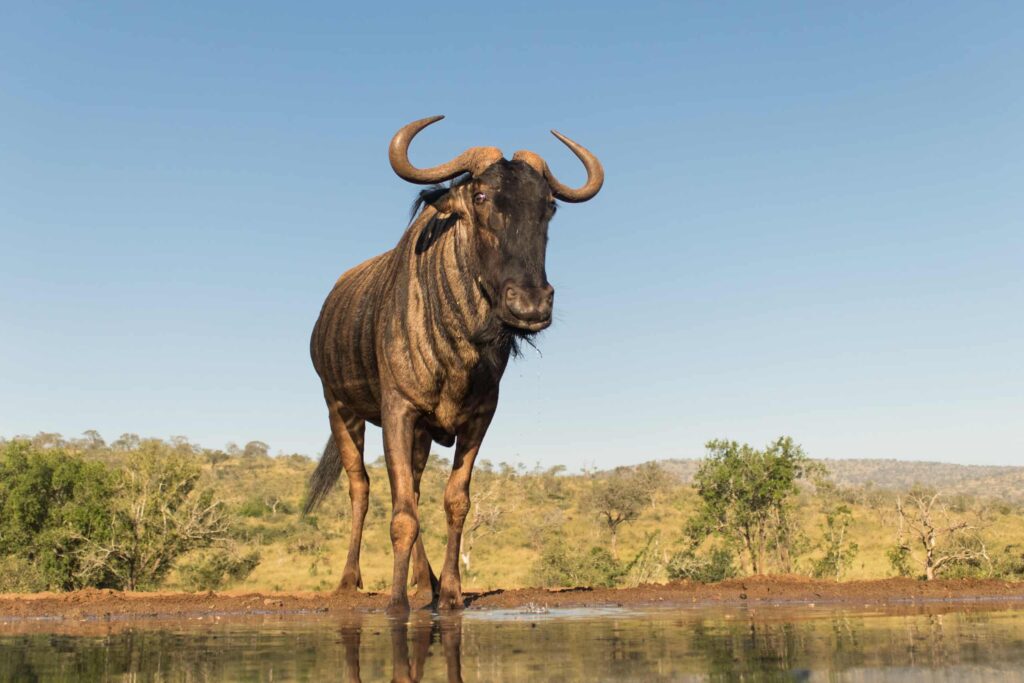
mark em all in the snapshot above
pixel 415 340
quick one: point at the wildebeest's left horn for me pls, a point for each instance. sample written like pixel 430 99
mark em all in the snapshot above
pixel 474 160
pixel 595 174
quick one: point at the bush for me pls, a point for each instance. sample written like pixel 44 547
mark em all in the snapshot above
pixel 717 565
pixel 899 560
pixel 52 505
pixel 252 507
pixel 648 565
pixel 1009 564
pixel 970 568
pixel 18 575
pixel 838 548
pixel 562 566
pixel 212 571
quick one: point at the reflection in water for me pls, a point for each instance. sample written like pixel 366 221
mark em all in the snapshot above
pixel 408 661
pixel 410 640
pixel 564 645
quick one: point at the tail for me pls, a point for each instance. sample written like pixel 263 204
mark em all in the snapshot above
pixel 324 477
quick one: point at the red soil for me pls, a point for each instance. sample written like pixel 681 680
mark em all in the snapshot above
pixel 752 591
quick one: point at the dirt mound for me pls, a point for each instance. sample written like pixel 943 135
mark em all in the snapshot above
pixel 763 590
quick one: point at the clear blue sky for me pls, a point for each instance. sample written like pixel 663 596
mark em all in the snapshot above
pixel 811 225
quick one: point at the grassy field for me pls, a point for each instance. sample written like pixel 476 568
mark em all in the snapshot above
pixel 299 554
pixel 82 513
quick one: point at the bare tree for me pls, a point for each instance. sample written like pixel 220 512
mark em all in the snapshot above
pixel 925 521
pixel 655 479
pixel 47 440
pixel 157 516
pixel 488 511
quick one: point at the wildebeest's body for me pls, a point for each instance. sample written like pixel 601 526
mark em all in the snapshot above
pixel 416 340
pixel 421 319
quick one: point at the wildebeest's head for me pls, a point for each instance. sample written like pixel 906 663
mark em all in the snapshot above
pixel 509 204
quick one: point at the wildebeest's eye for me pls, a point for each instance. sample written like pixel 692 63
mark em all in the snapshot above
pixel 479 198
pixel 554 206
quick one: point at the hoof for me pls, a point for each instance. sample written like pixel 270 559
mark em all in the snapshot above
pixel 350 584
pixel 398 607
pixel 449 602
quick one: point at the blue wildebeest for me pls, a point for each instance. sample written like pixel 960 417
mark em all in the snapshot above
pixel 416 340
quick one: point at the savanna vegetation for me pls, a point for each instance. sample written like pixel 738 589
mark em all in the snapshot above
pixel 141 514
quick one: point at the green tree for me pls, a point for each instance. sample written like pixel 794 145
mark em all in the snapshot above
pixel 50 502
pixel 126 442
pixel 215 457
pixel 618 498
pixel 256 449
pixel 91 441
pixel 746 497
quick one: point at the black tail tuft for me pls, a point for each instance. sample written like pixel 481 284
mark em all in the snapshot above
pixel 324 477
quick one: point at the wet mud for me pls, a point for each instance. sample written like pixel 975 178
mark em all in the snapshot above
pixel 105 605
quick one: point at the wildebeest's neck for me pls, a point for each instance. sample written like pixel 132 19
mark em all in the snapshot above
pixel 445 291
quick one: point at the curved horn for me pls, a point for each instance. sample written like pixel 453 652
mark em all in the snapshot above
pixel 473 160
pixel 595 174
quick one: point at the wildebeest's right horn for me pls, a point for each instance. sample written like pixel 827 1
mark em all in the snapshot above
pixel 595 174
pixel 474 160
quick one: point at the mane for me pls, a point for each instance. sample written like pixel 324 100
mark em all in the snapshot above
pixel 437 225
pixel 435 192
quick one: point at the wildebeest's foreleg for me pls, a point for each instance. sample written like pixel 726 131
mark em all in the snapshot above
pixel 397 420
pixel 349 431
pixel 451 644
pixel 350 639
pixel 422 575
pixel 456 506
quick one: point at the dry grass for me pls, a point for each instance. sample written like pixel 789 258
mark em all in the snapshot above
pixel 297 556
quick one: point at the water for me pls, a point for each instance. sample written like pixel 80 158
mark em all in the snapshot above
pixel 965 643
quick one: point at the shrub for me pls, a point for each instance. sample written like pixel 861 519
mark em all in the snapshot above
pixel 899 560
pixel 560 565
pixel 19 575
pixel 717 565
pixel 839 550
pixel 1009 564
pixel 252 507
pixel 212 571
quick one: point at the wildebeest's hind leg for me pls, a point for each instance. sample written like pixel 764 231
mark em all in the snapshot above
pixel 349 431
pixel 422 575
pixel 456 507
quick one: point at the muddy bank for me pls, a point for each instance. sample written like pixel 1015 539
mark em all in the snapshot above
pixel 760 591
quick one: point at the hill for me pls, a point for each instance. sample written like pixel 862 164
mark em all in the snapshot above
pixel 1004 483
